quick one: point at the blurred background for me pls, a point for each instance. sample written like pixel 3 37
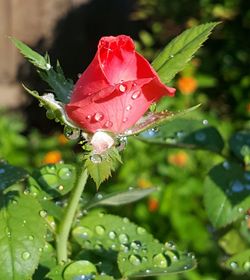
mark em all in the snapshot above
pixel 218 77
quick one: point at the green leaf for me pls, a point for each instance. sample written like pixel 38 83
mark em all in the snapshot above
pixel 76 269
pixel 22 232
pixel 239 263
pixel 10 174
pixel 152 120
pixel 61 86
pixel 185 133
pixel 55 109
pixel 227 193
pixel 119 198
pixel 238 142
pixel 35 58
pixel 52 181
pixel 56 273
pixel 181 50
pixel 101 166
pixel 139 254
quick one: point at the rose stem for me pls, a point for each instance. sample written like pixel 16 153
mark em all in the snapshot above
pixel 66 223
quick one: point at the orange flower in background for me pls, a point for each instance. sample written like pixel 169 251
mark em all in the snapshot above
pixel 187 85
pixel 248 108
pixel 52 157
pixel 179 159
pixel 153 204
pixel 144 183
pixel 62 139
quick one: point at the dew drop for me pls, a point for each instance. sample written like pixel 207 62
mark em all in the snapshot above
pixel 31 237
pixel 170 245
pixel 237 186
pixel 88 117
pixel 100 230
pixel 95 158
pixel 125 220
pixel 246 265
pixel 144 259
pixel 82 232
pixel 61 188
pixel 112 235
pixel 147 270
pixel 2 171
pixel 136 244
pixel 226 165
pixel 113 246
pixel 205 122
pixel 64 173
pixel 141 230
pixel 135 260
pixel 108 124
pixel 171 56
pixel 136 94
pixel 124 248
pixel 123 238
pixel 122 88
pixel 128 108
pixel 233 265
pixel 71 133
pixel 160 261
pixel 99 196
pixel 98 116
pixel 200 136
pixel 26 255
pixel 43 213
pixel 125 120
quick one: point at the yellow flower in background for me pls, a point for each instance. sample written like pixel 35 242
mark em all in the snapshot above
pixel 62 139
pixel 187 85
pixel 179 159
pixel 52 157
pixel 144 183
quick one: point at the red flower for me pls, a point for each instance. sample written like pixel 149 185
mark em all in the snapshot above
pixel 116 89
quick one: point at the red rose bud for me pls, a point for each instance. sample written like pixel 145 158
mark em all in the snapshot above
pixel 116 89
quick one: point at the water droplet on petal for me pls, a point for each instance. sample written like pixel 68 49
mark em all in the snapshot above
pixel 237 186
pixel 100 230
pixel 125 120
pixel 233 265
pixel 112 235
pixel 135 260
pixel 160 261
pixel 64 173
pixel 26 255
pixel 98 116
pixel 88 117
pixel 128 108
pixel 108 124
pixel 96 158
pixel 122 88
pixel 136 94
pixel 43 213
pixel 123 238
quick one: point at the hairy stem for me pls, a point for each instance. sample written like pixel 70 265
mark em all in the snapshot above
pixel 65 225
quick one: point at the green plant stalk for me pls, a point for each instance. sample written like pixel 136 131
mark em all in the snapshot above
pixel 65 225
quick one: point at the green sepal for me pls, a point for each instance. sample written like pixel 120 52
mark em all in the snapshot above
pixel 55 109
pixel 239 263
pixel 154 119
pixel 101 166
